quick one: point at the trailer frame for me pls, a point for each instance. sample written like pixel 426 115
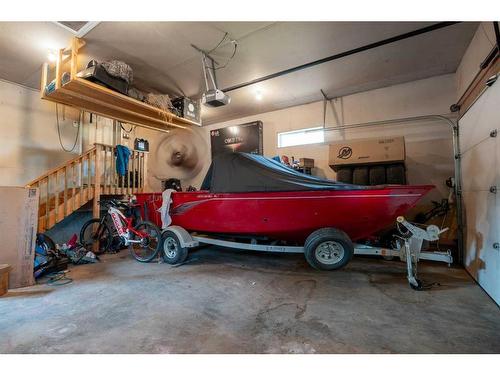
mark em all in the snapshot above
pixel 410 253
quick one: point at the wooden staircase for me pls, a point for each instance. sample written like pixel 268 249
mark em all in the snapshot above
pixel 87 177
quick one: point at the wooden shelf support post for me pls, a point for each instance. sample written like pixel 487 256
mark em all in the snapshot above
pixel 97 181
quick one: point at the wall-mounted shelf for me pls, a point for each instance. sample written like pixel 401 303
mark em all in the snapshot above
pixel 91 97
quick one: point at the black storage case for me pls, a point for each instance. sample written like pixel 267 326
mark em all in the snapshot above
pixel 187 108
pixel 98 74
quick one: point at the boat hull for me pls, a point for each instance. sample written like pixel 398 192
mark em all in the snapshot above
pixel 292 216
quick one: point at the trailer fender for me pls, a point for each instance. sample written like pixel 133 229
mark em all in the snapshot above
pixel 183 236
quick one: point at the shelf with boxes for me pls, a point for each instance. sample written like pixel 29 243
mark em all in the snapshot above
pixel 76 89
pixel 373 161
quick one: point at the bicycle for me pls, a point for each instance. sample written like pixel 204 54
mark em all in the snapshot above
pixel 143 239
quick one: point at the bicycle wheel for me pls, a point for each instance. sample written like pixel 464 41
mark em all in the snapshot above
pixel 95 236
pixel 148 248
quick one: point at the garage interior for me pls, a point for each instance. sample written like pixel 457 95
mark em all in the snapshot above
pixel 256 187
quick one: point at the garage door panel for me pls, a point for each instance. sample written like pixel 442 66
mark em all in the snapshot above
pixel 497 166
pixel 482 258
pixel 480 120
pixel 481 164
pixel 481 170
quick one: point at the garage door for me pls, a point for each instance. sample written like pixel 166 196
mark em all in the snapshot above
pixel 481 176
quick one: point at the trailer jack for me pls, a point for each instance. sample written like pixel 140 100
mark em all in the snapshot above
pixel 411 251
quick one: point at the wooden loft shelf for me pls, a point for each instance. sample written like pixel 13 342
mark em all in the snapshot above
pixel 91 97
pixel 95 98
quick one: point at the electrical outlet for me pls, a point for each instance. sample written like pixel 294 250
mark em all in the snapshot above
pixel 126 136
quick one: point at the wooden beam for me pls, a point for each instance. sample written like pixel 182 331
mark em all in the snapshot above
pixel 97 181
pixel 122 113
pixel 145 171
pixel 478 84
pixel 74 57
pixel 59 66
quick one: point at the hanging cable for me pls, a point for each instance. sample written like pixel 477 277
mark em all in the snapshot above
pixel 218 45
pixel 235 44
pixel 235 47
pixel 59 130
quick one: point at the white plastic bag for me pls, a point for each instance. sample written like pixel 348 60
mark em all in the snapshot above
pixel 166 220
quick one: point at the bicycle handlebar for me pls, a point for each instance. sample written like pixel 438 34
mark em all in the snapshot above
pixel 114 202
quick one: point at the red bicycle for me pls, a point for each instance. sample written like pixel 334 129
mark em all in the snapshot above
pixel 143 239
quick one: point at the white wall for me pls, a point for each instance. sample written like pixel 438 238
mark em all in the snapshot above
pixel 100 130
pixel 429 147
pixel 30 139
pixel 30 144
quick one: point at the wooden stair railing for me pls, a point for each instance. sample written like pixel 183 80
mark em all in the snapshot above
pixel 68 187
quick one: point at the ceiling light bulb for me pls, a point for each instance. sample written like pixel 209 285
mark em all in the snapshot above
pixel 51 56
pixel 258 95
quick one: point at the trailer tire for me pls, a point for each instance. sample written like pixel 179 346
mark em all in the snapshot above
pixel 328 249
pixel 377 175
pixel 396 174
pixel 171 249
pixel 344 175
pixel 360 176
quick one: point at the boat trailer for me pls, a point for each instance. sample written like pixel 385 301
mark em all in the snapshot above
pixel 410 251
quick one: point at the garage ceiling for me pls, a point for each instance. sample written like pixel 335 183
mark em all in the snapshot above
pixel 164 61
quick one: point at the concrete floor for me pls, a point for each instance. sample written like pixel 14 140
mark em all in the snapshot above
pixel 224 301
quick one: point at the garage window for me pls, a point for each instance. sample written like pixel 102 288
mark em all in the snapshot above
pixel 301 137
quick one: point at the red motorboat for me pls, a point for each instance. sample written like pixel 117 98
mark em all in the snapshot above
pixel 292 216
pixel 250 196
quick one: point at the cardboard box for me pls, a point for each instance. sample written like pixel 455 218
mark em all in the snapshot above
pixel 4 278
pixel 367 151
pixel 18 225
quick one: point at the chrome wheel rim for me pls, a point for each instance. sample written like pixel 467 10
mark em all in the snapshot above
pixel 170 247
pixel 329 252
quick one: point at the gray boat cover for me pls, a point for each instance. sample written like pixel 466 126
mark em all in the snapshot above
pixel 241 172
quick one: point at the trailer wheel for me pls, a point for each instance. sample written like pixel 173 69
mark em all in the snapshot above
pixel 172 251
pixel 377 175
pixel 360 176
pixel 396 174
pixel 344 175
pixel 328 249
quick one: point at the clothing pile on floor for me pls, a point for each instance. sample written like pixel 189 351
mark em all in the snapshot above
pixel 51 258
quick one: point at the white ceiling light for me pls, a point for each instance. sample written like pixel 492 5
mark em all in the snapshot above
pixel 258 95
pixel 51 56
